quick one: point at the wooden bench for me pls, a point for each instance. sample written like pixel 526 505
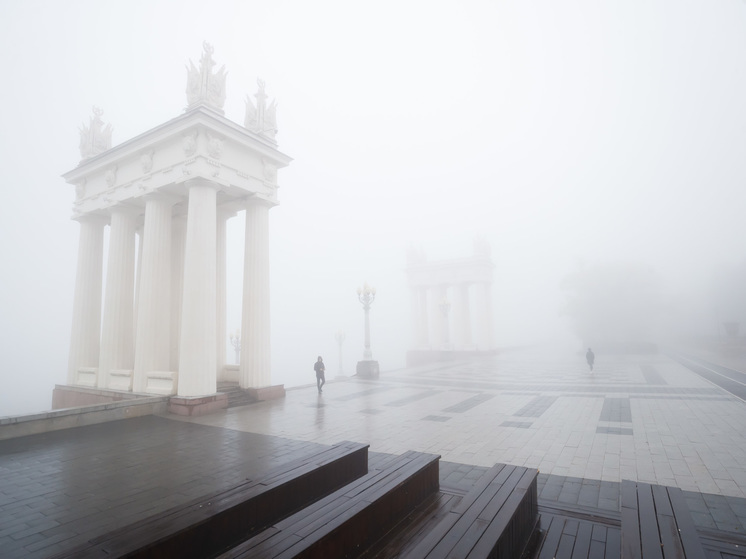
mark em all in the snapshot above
pixel 657 524
pixel 209 525
pixel 498 517
pixel 347 522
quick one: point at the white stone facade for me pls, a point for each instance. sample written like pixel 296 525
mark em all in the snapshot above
pixel 169 192
pixel 451 301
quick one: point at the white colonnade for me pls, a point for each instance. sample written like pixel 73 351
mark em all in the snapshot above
pixel 166 196
pixel 451 301
pixel 181 297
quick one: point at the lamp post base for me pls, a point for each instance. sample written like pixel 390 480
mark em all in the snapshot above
pixel 367 369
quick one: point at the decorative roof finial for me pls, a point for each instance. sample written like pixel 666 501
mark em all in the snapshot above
pixel 261 118
pixel 95 138
pixel 204 87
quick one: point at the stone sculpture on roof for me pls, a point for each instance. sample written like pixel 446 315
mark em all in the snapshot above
pixel 261 118
pixel 204 87
pixel 95 138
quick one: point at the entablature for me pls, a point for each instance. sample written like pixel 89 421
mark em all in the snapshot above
pixel 463 271
pixel 199 144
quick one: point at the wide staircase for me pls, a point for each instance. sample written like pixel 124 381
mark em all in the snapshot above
pixel 334 504
pixel 237 396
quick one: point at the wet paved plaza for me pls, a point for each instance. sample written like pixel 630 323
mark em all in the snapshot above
pixel 645 418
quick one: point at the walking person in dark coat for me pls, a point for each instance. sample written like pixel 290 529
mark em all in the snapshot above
pixel 320 369
pixel 590 358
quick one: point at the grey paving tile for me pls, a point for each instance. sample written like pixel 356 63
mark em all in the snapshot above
pixel 616 409
pixel 413 398
pixel 438 418
pixel 651 374
pixel 614 431
pixel 469 403
pixel 516 424
pixel 585 434
pixel 589 494
pixel 536 407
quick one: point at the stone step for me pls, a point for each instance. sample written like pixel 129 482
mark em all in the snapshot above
pixel 236 395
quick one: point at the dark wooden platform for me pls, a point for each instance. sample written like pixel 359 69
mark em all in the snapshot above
pixel 333 503
pixel 497 518
pixel 657 524
pixel 568 536
pixel 347 522
pixel 208 525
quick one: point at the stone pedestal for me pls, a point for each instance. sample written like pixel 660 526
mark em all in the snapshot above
pixel 199 405
pixel 368 369
pixel 267 392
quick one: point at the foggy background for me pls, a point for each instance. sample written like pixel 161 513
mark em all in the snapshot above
pixel 598 146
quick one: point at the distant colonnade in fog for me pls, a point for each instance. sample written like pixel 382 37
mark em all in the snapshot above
pixel 451 301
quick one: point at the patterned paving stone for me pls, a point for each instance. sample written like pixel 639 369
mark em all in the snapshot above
pixel 647 418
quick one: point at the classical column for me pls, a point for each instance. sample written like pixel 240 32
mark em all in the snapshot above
pixel 138 270
pixel 255 368
pixel 221 286
pixel 85 331
pixel 153 330
pixel 415 317
pixel 198 336
pixel 178 241
pixel 438 322
pixel 117 344
pixel 462 317
pixel 423 319
pixel 445 312
pixel 484 317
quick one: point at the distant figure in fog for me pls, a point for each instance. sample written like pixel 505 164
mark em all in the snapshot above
pixel 320 369
pixel 590 358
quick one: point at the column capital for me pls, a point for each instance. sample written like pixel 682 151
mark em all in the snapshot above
pixel 94 219
pixel 126 209
pixel 202 182
pixel 260 201
pixel 159 196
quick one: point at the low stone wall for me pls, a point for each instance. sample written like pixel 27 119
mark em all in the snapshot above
pixel 196 406
pixel 23 425
pixel 65 396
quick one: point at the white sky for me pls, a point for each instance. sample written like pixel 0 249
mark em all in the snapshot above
pixel 560 130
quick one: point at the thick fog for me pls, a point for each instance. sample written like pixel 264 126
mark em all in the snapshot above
pixel 597 146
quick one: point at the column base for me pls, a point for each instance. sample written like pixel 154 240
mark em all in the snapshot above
pixel 197 405
pixel 267 392
pixel 367 369
pixel 86 376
